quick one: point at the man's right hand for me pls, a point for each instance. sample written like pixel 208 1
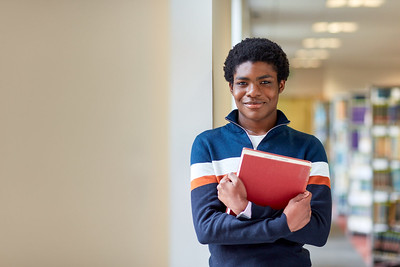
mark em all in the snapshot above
pixel 232 192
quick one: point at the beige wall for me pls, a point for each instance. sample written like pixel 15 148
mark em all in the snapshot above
pixel 221 43
pixel 300 112
pixel 303 88
pixel 304 83
pixel 82 110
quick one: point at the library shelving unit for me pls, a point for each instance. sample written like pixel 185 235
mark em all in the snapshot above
pixel 359 219
pixel 339 152
pixel 321 121
pixel 385 163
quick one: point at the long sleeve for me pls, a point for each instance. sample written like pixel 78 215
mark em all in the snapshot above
pixel 316 232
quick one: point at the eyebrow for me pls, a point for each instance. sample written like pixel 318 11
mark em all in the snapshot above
pixel 258 78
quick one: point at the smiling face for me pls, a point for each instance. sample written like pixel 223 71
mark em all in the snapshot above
pixel 256 91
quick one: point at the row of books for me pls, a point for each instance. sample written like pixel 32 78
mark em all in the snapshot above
pixel 386 180
pixel 385 105
pixel 387 243
pixel 386 114
pixel 386 147
pixel 381 213
pixel 388 212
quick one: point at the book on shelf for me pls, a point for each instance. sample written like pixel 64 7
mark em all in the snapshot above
pixel 395 175
pixel 395 145
pixel 394 113
pixel 381 213
pixel 382 180
pixel 271 179
pixel 387 244
pixel 382 146
pixel 380 113
pixel 394 214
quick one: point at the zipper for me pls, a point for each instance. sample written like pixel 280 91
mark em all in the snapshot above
pixel 248 136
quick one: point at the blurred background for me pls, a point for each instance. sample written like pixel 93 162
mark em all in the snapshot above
pixel 100 102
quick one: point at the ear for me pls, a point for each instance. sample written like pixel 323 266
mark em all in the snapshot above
pixel 231 87
pixel 282 86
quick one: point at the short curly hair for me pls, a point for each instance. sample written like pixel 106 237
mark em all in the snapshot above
pixel 253 50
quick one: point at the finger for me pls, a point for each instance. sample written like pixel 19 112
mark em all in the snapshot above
pixel 224 179
pixel 308 196
pixel 299 197
pixel 233 177
pixel 304 195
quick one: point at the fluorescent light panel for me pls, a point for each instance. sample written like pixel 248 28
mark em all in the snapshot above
pixel 312 54
pixel 322 43
pixel 354 3
pixel 305 63
pixel 309 58
pixel 335 27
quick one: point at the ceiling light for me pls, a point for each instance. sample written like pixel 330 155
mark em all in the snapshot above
pixel 305 63
pixel 320 26
pixel 310 43
pixel 353 3
pixel 322 43
pixel 373 3
pixel 312 54
pixel 335 27
pixel 336 3
pixel 349 27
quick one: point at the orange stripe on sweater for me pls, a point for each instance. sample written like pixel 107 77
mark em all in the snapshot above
pixel 209 179
pixel 204 180
pixel 320 180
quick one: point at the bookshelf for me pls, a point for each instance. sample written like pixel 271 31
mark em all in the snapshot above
pixel 339 155
pixel 385 163
pixel 321 122
pixel 359 220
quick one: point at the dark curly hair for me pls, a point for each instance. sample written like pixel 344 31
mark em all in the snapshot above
pixel 253 50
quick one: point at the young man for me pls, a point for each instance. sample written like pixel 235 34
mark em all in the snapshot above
pixel 257 70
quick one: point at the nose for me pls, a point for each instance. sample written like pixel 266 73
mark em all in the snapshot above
pixel 253 90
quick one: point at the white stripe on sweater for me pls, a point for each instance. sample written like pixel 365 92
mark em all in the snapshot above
pixel 222 167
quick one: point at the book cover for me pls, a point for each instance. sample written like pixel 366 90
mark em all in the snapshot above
pixel 271 179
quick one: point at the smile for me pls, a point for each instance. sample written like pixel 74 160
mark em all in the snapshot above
pixel 253 104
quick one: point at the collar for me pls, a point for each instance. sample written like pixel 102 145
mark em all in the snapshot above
pixel 281 118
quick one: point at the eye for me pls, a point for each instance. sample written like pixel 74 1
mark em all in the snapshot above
pixel 265 82
pixel 241 83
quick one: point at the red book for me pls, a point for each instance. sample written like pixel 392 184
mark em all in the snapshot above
pixel 271 179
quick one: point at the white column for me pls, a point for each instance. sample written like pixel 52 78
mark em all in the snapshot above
pixel 190 113
pixel 236 21
pixel 236 27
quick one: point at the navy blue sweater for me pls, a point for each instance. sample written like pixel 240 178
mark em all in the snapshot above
pixel 265 239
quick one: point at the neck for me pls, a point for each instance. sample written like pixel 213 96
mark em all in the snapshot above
pixel 257 127
pixel 256 130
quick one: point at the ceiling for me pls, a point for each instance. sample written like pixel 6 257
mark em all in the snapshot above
pixel 375 44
